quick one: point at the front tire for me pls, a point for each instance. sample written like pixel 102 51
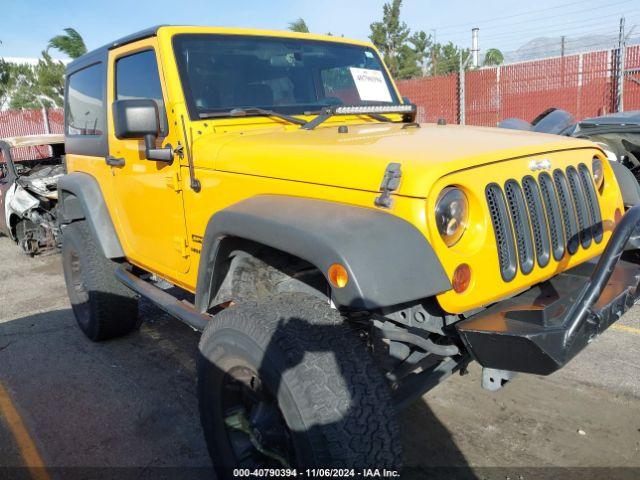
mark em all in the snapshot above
pixel 287 383
pixel 103 307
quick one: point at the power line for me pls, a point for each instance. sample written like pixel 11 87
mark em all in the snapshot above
pixel 604 32
pixel 578 23
pixel 557 29
pixel 495 19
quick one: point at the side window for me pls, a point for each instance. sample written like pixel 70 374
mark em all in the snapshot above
pixel 85 110
pixel 137 77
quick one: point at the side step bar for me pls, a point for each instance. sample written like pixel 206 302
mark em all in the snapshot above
pixel 182 310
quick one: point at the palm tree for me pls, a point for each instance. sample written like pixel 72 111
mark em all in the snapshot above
pixel 71 43
pixel 493 57
pixel 299 26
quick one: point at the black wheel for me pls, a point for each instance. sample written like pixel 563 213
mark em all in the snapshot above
pixel 287 383
pixel 103 307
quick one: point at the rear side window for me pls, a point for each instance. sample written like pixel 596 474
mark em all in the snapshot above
pixel 85 109
pixel 137 77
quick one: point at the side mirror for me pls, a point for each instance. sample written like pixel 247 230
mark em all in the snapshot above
pixel 139 118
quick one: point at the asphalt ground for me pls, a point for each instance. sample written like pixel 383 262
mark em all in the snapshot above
pixel 127 408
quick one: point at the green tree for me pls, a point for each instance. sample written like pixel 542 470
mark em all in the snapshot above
pixel 71 43
pixel 405 54
pixel 23 86
pixel 422 44
pixel 299 26
pixel 50 81
pixel 390 36
pixel 5 82
pixel 36 86
pixel 493 57
pixel 447 58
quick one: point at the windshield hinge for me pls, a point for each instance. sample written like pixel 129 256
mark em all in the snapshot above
pixel 181 245
pixel 390 183
pixel 174 181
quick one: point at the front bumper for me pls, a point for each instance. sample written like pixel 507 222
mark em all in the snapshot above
pixel 542 329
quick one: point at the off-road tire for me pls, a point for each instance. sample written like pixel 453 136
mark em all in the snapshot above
pixel 103 307
pixel 329 390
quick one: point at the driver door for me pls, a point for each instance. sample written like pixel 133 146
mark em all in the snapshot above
pixel 149 210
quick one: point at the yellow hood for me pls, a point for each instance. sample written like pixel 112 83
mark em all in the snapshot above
pixel 357 159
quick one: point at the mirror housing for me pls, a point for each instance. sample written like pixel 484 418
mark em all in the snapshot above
pixel 139 118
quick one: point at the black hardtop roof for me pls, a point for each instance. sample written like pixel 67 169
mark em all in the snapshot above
pixel 101 52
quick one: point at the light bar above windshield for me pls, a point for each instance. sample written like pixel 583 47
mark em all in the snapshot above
pixel 375 111
pixel 369 109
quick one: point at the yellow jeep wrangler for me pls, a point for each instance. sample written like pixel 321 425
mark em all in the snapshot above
pixel 273 190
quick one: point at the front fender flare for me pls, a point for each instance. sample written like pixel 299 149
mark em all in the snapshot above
pixel 389 261
pixel 80 198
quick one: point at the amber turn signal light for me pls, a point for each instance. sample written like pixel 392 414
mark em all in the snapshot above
pixel 338 276
pixel 461 278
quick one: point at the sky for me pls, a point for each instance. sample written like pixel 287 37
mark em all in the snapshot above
pixel 504 24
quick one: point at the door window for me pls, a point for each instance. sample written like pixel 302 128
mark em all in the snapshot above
pixel 85 102
pixel 137 77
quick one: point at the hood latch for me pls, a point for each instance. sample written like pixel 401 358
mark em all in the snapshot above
pixel 390 183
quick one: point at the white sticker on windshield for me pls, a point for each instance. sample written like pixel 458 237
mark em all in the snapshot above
pixel 371 85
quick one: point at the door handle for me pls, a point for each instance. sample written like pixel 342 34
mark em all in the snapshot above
pixel 114 162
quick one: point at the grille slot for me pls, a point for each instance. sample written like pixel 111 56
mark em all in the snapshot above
pixel 568 214
pixel 538 220
pixel 592 202
pixel 580 204
pixel 553 214
pixel 502 231
pixel 521 225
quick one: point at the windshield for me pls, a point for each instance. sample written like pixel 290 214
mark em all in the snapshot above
pixel 223 72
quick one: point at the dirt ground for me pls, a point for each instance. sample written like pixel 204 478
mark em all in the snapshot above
pixel 126 407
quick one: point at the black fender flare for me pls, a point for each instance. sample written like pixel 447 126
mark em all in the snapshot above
pixel 628 184
pixel 80 198
pixel 389 261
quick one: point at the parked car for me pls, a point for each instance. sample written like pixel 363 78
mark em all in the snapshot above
pixel 340 258
pixel 29 194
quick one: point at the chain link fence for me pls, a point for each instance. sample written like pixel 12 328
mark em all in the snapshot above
pixel 584 84
pixel 14 123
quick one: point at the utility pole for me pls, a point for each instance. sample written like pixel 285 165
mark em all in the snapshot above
pixel 434 55
pixel 620 67
pixel 474 47
pixel 462 108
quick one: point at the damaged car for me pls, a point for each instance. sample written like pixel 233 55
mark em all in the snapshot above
pixel 28 190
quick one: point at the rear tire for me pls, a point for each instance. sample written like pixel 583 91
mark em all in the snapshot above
pixel 308 374
pixel 103 307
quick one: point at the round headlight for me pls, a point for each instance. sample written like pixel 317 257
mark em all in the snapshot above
pixel 452 214
pixel 598 173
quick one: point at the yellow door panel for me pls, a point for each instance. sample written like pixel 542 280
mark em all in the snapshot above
pixel 146 194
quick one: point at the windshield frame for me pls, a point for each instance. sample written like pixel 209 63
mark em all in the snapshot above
pixel 195 115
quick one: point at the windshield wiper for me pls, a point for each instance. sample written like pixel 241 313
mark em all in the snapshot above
pixel 245 112
pixel 374 111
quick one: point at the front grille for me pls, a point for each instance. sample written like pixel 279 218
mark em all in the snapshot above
pixel 536 219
